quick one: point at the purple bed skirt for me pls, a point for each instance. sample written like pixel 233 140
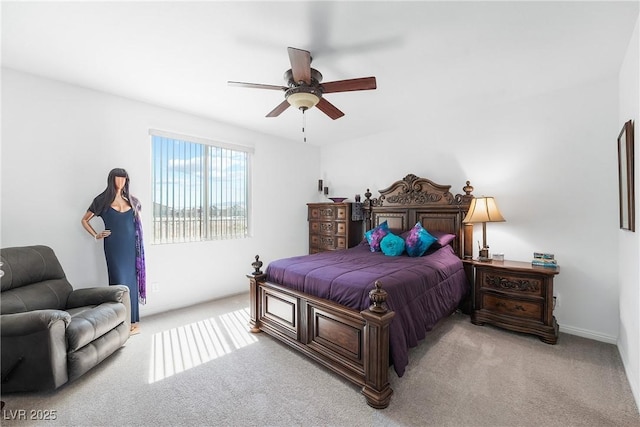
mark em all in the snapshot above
pixel 421 290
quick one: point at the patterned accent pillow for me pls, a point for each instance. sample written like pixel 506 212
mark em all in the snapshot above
pixel 392 245
pixel 418 241
pixel 375 236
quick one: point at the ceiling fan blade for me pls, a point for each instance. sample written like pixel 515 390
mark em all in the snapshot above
pixel 363 83
pixel 300 65
pixel 257 86
pixel 329 109
pixel 279 109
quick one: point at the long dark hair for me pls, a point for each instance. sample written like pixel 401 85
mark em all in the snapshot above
pixel 105 198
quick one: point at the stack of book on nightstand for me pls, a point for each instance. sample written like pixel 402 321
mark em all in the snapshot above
pixel 541 259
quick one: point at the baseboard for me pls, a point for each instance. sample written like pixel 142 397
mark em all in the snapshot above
pixel 635 389
pixel 585 333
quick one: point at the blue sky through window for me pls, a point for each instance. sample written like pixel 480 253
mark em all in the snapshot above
pixel 180 169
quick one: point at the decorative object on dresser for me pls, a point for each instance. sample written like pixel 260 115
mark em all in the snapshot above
pixel 357 211
pixel 544 259
pixel 625 177
pixel 349 329
pixel 337 199
pixel 515 295
pixel 331 227
pixel 482 210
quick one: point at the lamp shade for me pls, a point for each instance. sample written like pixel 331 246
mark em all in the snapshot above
pixel 483 209
pixel 303 100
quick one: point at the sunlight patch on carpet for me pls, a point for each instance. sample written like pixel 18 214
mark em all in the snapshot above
pixel 179 349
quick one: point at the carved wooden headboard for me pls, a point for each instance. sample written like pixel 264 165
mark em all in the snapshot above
pixel 413 199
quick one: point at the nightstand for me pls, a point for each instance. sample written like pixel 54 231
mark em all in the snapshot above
pixel 514 295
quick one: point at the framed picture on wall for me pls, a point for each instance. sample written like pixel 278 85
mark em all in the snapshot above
pixel 625 177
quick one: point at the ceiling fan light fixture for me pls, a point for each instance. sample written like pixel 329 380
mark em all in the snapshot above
pixel 303 100
pixel 304 90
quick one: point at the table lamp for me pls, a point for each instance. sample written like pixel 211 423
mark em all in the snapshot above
pixel 483 209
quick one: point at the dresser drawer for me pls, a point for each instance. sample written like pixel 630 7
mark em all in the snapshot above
pixel 523 309
pixel 338 228
pixel 328 243
pixel 505 282
pixel 322 213
pixel 328 212
pixel 341 212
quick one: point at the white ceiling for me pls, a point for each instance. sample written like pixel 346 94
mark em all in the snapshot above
pixel 428 57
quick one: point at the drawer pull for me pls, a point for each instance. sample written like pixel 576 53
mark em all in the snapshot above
pixel 326 212
pixel 519 307
pixel 326 226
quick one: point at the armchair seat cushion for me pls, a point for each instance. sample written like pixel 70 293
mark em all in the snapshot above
pixel 91 322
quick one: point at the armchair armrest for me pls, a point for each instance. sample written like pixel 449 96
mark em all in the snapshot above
pixel 34 350
pixel 20 324
pixel 98 295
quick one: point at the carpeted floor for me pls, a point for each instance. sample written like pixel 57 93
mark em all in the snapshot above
pixel 200 366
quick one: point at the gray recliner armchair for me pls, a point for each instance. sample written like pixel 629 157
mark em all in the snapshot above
pixel 52 334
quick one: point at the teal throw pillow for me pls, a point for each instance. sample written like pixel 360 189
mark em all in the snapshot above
pixel 418 241
pixel 375 236
pixel 392 245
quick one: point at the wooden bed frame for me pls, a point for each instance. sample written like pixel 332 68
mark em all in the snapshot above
pixel 353 344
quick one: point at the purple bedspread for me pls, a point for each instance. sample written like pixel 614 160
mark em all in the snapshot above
pixel 420 290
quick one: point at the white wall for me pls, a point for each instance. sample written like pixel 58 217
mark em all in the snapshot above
pixel 551 163
pixel 628 242
pixel 58 144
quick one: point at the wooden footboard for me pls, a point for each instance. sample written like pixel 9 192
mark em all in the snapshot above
pixel 353 344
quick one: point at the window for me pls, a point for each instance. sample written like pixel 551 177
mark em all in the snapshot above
pixel 200 189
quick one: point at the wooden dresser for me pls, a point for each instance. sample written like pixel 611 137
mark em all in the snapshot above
pixel 515 295
pixel 331 227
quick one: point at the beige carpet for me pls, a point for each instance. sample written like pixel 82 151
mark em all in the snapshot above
pixel 200 366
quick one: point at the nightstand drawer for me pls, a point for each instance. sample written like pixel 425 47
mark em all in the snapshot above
pixel 521 284
pixel 512 307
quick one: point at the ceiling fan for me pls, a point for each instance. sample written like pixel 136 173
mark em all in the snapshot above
pixel 305 89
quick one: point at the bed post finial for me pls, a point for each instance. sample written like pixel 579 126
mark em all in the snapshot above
pixel 256 266
pixel 378 297
pixel 468 189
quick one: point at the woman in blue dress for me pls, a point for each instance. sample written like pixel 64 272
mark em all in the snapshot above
pixel 122 237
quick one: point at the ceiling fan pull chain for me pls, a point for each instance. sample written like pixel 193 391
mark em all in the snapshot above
pixel 304 125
